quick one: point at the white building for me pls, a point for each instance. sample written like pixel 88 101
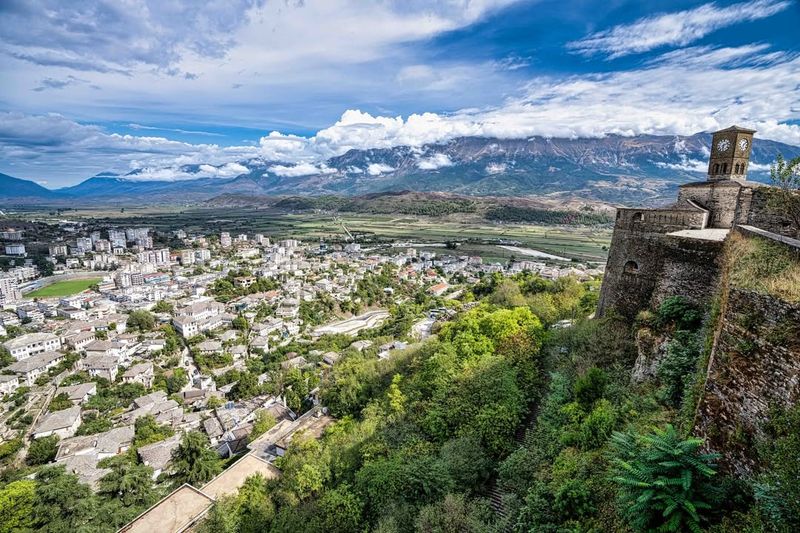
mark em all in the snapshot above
pixel 32 344
pixel 225 239
pixel 9 290
pixel 15 249
pixel 154 257
pixel 34 366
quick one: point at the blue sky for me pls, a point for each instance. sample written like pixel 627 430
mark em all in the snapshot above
pixel 90 86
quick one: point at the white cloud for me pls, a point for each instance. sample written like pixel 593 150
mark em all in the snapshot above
pixel 699 89
pixel 301 169
pixel 495 168
pixel 228 170
pixel 679 28
pixel 434 162
pixel 376 169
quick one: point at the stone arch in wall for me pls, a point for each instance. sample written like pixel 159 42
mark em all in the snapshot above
pixel 638 217
pixel 631 267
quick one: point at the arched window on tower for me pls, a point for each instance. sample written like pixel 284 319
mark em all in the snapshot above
pixel 631 267
pixel 737 169
pixel 724 168
pixel 716 168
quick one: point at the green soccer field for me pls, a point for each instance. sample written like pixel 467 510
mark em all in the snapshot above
pixel 63 288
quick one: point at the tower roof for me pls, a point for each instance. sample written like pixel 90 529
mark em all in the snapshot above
pixel 735 128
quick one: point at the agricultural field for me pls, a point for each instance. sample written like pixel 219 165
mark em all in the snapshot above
pixel 63 288
pixel 476 236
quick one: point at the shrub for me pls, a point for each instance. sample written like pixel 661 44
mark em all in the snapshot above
pixel 676 371
pixel 679 312
pixel 662 480
pixel 590 387
pixel 42 451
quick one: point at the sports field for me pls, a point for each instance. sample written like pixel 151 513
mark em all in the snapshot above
pixel 63 288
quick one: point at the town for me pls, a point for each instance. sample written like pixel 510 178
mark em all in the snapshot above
pixel 124 338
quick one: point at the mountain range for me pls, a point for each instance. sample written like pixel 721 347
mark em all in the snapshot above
pixel 614 169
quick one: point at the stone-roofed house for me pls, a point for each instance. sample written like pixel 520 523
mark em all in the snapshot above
pixel 105 348
pixel 80 455
pixel 330 358
pixel 34 366
pixel 294 362
pixel 103 366
pixel 164 409
pixel 62 423
pixel 209 347
pixel 159 454
pixel 30 344
pixel 79 340
pixel 260 343
pixel 80 393
pixel 139 373
pixel 8 384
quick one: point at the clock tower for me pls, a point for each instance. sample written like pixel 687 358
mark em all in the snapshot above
pixel 730 154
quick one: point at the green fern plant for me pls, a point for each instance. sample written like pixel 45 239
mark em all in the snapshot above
pixel 662 479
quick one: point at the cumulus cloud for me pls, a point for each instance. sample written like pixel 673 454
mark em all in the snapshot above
pixel 301 169
pixel 678 28
pixel 376 169
pixel 435 161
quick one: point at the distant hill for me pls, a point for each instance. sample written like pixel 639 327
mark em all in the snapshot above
pixel 643 169
pixel 18 189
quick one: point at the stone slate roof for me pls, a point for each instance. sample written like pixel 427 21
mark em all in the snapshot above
pixel 59 420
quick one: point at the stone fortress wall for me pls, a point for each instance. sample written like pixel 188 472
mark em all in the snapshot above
pixel 676 250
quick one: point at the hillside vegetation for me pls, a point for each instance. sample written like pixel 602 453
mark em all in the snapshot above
pixel 516 210
pixel 502 423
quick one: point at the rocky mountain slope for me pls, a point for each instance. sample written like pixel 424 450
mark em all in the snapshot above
pixel 615 169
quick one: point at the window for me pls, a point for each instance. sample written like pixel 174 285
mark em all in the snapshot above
pixel 631 267
pixel 638 217
pixel 716 168
pixel 724 168
pixel 737 169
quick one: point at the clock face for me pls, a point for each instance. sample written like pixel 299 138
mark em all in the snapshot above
pixel 742 144
pixel 723 145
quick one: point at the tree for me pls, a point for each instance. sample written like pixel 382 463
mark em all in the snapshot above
pixel 128 481
pixel 42 451
pixel 194 462
pixel 163 306
pixel 662 479
pixel 246 387
pixel 177 380
pixel 147 431
pixel 590 387
pixel 141 320
pixel 62 502
pixel 263 423
pixel 5 357
pixel 240 323
pixel 60 402
pixel 16 505
pixel 785 175
pixel 339 511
